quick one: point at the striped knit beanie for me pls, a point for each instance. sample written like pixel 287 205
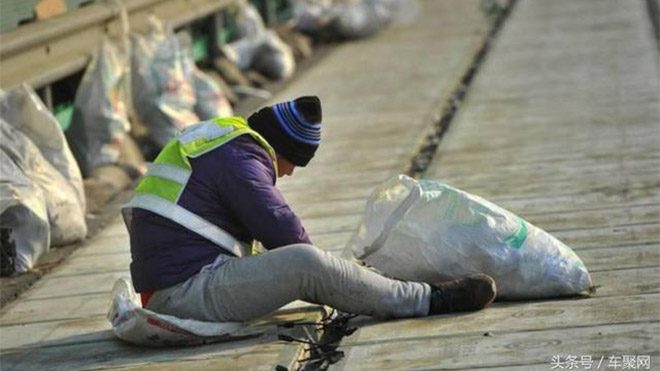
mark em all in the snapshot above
pixel 292 128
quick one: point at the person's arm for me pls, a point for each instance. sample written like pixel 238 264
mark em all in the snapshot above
pixel 250 193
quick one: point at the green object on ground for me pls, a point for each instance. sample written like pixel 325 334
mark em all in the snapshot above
pixel 63 113
pixel 228 30
pixel 274 11
pixel 200 47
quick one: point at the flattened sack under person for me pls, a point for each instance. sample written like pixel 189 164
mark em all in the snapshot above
pixel 139 326
pixel 429 231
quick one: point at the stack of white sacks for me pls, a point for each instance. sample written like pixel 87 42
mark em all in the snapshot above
pixel 42 200
pixel 259 48
pixel 351 19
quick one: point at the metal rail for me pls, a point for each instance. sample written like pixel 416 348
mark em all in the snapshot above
pixel 44 52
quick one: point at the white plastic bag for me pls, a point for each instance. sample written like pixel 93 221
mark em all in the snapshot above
pixel 161 79
pixel 351 19
pixel 250 32
pixel 312 16
pixel 66 217
pixel 210 99
pixel 429 231
pixel 35 142
pixel 22 108
pixel 23 211
pixel 139 326
pixel 275 58
pixel 259 48
pixel 100 119
pixel 361 18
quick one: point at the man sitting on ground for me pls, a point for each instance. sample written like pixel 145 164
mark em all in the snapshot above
pixel 211 192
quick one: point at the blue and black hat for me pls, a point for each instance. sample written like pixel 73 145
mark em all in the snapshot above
pixel 293 128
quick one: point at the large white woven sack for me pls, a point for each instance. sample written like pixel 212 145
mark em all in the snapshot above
pixel 257 47
pixel 162 83
pixel 31 136
pixel 23 210
pixel 351 19
pixel 22 108
pixel 100 119
pixel 429 231
pixel 210 100
pixel 65 215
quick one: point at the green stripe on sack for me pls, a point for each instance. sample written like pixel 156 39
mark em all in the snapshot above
pixel 517 239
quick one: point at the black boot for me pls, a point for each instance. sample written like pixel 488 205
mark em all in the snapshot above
pixel 462 295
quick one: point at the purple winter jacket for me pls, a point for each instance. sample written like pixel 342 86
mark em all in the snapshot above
pixel 232 186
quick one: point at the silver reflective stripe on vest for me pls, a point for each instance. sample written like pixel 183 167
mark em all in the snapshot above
pixel 169 172
pixel 189 220
pixel 206 129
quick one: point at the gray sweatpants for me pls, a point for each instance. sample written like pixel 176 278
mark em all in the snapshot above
pixel 250 287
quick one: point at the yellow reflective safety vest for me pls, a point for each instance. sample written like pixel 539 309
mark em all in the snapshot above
pixel 166 178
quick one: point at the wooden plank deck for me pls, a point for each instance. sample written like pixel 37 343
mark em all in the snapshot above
pixel 378 96
pixel 562 126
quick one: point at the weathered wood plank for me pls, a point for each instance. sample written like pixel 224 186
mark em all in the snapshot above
pixel 516 178
pixel 607 236
pixel 611 217
pixel 330 192
pixel 73 285
pixel 116 228
pixel 331 241
pixel 55 309
pixel 587 143
pixel 332 224
pixel 547 132
pixel 66 347
pixel 387 135
pixel 541 118
pixel 511 317
pixel 109 245
pixel 84 330
pixel 369 158
pixel 92 264
pixel 339 179
pixel 620 257
pixel 503 349
pixel 624 282
pixel 113 354
pixel 324 208
pixel 602 197
pixel 461 160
